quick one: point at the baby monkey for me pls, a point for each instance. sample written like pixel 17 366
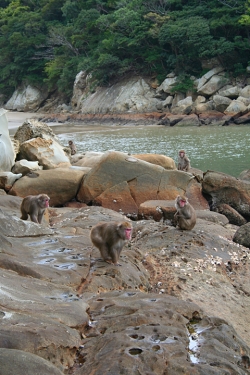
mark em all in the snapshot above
pixel 110 238
pixel 34 205
pixel 185 217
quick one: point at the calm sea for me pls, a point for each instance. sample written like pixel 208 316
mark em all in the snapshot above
pixel 225 149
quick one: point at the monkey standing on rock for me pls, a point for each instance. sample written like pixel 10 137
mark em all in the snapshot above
pixel 185 217
pixel 183 162
pixel 110 238
pixel 34 205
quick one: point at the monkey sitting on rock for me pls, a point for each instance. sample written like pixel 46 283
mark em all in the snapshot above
pixel 110 238
pixel 185 217
pixel 34 205
pixel 183 162
pixel 72 147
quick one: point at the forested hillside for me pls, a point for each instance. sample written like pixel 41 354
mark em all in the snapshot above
pixel 50 41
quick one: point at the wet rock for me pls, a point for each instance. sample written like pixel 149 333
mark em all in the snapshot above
pixel 226 189
pixel 233 216
pixel 242 235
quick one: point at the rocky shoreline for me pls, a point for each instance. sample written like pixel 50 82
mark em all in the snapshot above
pixel 178 304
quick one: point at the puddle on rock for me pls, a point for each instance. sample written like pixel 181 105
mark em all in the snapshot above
pixel 194 329
pixel 135 351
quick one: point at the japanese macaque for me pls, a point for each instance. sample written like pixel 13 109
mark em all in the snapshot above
pixel 185 217
pixel 34 205
pixel 183 162
pixel 72 147
pixel 110 238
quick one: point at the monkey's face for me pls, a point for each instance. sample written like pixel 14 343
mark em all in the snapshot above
pixel 128 233
pixel 182 202
pixel 44 200
pixel 182 154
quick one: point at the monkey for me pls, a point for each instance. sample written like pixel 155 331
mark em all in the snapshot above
pixel 183 162
pixel 185 217
pixel 34 205
pixel 110 238
pixel 72 147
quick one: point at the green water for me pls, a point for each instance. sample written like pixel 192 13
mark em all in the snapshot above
pixel 224 149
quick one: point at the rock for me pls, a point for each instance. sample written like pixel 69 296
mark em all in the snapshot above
pixel 19 362
pixel 206 77
pixel 191 120
pixel 157 209
pixel 215 83
pixel 229 91
pixel 183 107
pixel 235 107
pixel 34 129
pixel 24 166
pixel 27 98
pixel 89 159
pixel 213 118
pixel 221 103
pixel 133 94
pixel 242 235
pixel 60 184
pixel 245 175
pixel 214 217
pixel 167 85
pixel 245 92
pixel 7 179
pixel 233 216
pixel 80 85
pixel 243 119
pixel 223 188
pixel 145 181
pixel 162 160
pixel 7 152
pixel 47 152
pixel 204 107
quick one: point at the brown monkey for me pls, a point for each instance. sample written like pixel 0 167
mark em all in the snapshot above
pixel 72 147
pixel 185 217
pixel 183 162
pixel 34 205
pixel 110 238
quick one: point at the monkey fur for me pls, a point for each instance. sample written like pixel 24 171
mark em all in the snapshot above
pixel 72 147
pixel 34 205
pixel 183 162
pixel 185 217
pixel 110 238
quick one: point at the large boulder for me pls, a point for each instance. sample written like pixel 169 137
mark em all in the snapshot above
pixel 32 128
pixel 235 107
pixel 242 235
pixel 47 152
pixel 118 172
pixel 7 153
pixel 213 85
pixel 223 188
pixel 27 98
pixel 162 160
pixel 133 94
pixel 60 184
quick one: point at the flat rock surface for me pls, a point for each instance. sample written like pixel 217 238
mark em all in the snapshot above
pixel 178 304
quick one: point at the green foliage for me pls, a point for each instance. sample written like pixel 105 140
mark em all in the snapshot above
pixel 183 84
pixel 52 40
